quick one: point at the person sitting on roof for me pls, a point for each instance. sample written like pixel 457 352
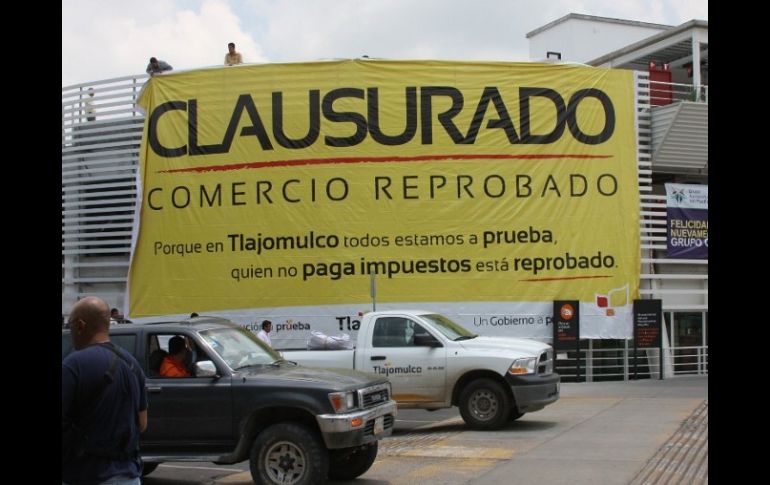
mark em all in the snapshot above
pixel 157 67
pixel 173 365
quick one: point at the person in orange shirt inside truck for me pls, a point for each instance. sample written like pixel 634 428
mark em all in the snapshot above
pixel 174 363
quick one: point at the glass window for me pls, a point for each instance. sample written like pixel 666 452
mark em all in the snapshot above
pixel 688 334
pixel 240 348
pixel 689 329
pixel 158 350
pixel 66 345
pixel 396 332
pixel 127 342
pixel 448 328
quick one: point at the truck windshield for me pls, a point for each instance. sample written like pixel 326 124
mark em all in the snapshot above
pixel 239 348
pixel 448 328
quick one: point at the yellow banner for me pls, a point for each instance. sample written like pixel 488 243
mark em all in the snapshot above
pixel 290 184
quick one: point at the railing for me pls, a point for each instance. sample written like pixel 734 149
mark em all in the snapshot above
pixel 101 136
pixel 662 93
pixel 688 360
pixel 622 363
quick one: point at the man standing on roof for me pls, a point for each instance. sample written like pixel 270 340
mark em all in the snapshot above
pixel 90 111
pixel 232 58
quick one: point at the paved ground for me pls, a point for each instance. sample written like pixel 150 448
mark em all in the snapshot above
pixel 598 433
pixel 640 432
pixel 684 457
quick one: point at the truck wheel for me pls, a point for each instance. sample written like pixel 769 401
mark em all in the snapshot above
pixel 484 404
pixel 288 454
pixel 148 468
pixel 349 463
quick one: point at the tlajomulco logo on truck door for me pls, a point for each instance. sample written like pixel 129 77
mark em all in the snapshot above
pixel 388 369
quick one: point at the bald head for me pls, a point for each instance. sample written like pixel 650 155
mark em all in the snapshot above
pixel 89 322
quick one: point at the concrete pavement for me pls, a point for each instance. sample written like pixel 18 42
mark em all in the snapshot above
pixel 607 433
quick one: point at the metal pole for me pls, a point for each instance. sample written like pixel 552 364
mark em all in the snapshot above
pixel 625 360
pixel 661 359
pixel 696 79
pixel 578 360
pixel 636 366
pixel 373 290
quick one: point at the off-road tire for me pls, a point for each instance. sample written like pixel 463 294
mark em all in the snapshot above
pixel 288 454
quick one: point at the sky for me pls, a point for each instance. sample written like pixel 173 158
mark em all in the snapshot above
pixel 103 39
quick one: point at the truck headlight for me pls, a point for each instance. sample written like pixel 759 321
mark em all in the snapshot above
pixel 523 366
pixel 342 401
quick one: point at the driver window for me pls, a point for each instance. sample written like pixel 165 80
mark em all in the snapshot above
pixel 172 355
pixel 412 329
pixel 395 332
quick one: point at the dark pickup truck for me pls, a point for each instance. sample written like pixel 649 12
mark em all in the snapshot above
pixel 296 425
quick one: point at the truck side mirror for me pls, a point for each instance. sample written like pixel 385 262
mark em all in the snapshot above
pixel 205 368
pixel 426 340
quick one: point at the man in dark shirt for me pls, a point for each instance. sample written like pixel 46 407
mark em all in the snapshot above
pixel 157 67
pixel 104 399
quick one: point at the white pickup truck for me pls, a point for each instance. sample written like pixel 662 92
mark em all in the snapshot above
pixel 434 363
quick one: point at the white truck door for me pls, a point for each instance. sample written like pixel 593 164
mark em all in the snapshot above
pixel 416 372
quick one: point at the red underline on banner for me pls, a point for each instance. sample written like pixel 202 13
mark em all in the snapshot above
pixel 420 158
pixel 565 278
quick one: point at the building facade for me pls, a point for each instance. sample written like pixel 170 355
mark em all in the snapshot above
pixel 101 136
pixel 673 148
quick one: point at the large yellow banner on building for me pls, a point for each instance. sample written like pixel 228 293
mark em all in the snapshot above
pixel 290 184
